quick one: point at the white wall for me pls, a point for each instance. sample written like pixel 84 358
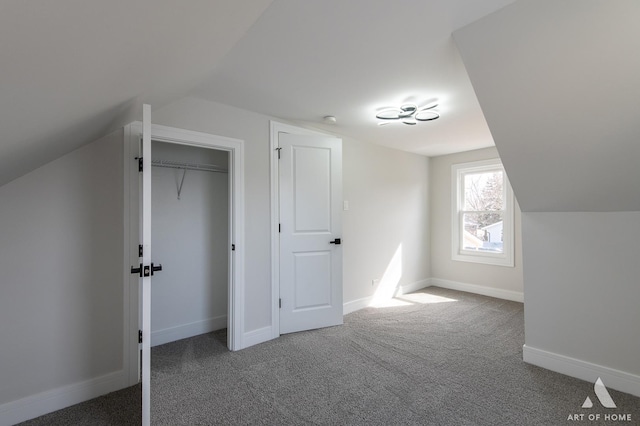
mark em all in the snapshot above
pixel 502 281
pixel 582 274
pixel 61 310
pixel 191 241
pixel 387 224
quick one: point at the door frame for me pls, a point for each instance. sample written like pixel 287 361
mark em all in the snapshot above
pixel 236 299
pixel 275 128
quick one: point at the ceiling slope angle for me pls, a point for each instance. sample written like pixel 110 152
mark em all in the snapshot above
pixel 72 71
pixel 559 84
pixel 304 60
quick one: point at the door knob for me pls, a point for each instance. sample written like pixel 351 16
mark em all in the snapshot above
pixel 137 270
pixel 155 268
pixel 337 242
pixel 145 270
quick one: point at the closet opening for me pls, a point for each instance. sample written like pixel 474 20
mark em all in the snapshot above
pixel 190 198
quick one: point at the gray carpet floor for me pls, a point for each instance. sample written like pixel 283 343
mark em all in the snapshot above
pixel 455 362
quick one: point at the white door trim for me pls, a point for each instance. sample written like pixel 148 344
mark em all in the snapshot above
pixel 275 128
pixel 235 147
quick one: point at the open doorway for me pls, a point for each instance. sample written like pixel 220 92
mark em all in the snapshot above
pixel 190 228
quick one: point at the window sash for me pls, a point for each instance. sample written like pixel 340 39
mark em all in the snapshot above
pixel 504 258
pixel 482 211
pixel 462 188
pixel 485 251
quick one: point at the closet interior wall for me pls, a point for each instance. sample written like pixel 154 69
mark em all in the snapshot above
pixel 190 238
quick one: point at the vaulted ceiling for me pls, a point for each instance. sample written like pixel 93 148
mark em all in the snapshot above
pixel 74 70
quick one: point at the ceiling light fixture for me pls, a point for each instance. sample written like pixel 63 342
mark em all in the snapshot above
pixel 408 114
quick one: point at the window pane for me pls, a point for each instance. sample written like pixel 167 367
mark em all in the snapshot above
pixel 483 191
pixel 482 232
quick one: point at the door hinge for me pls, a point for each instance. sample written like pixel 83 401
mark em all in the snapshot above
pixel 278 149
pixel 280 303
pixel 140 167
pixel 139 336
pixel 233 247
pixel 140 250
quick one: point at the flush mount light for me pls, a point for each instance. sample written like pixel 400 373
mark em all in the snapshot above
pixel 408 114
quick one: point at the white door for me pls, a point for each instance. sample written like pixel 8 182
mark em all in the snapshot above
pixel 146 267
pixel 310 232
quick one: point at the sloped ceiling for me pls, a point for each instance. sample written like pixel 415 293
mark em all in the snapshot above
pixel 73 70
pixel 303 60
pixel 559 85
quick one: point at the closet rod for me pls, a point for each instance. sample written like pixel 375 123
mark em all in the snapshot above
pixel 188 166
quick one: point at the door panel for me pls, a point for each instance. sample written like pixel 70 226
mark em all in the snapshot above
pixel 312 280
pixel 311 189
pixel 310 219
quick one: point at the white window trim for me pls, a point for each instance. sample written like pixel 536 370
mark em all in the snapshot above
pixel 506 258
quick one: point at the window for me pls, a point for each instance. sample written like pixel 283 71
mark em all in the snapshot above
pixel 482 213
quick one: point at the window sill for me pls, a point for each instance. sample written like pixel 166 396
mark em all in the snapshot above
pixel 493 260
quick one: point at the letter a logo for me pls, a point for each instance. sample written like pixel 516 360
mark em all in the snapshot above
pixel 603 396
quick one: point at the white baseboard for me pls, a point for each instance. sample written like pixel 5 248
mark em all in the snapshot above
pixel 356 305
pixel 410 288
pixel 614 379
pixel 160 337
pixel 478 289
pixel 56 399
pixel 254 337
